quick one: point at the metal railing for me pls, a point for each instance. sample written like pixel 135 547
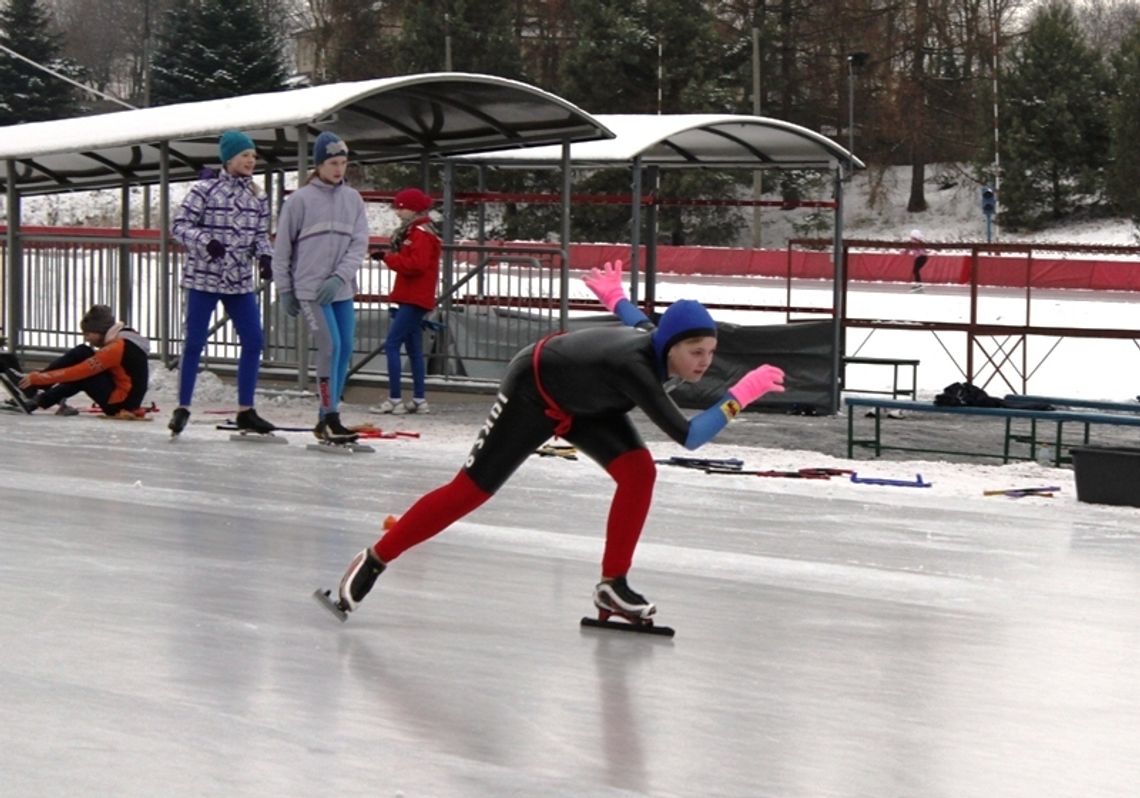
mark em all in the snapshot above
pixel 496 299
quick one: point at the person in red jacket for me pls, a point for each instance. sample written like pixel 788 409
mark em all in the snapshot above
pixel 414 258
pixel 111 368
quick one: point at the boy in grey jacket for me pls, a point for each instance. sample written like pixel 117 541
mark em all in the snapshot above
pixel 322 238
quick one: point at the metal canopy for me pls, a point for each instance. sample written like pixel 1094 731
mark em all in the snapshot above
pixel 690 140
pixel 388 119
pixel 710 141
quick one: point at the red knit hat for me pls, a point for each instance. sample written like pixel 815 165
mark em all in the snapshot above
pixel 413 199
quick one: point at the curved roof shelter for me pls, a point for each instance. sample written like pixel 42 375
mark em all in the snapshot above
pixel 710 141
pixel 387 119
pixel 727 141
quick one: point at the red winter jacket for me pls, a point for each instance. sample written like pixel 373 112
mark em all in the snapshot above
pixel 416 264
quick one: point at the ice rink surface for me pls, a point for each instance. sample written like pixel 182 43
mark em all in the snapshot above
pixel 160 639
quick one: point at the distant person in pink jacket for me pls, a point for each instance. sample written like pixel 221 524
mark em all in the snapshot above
pixel 414 258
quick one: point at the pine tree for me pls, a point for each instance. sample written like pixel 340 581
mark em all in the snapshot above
pixel 611 66
pixel 1123 178
pixel 210 49
pixel 1054 132
pixel 479 32
pixel 351 41
pixel 28 94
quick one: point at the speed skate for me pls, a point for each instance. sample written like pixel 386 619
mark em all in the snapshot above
pixel 252 436
pixel 325 599
pixel 614 597
pixel 644 626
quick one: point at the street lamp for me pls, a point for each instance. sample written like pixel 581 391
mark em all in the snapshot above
pixel 855 63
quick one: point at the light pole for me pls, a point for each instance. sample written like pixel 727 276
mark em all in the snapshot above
pixel 855 62
pixel 757 175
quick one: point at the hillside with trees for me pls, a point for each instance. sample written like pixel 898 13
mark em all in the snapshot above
pixel 1038 99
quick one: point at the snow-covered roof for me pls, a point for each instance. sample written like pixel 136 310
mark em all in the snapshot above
pixel 386 119
pixel 696 140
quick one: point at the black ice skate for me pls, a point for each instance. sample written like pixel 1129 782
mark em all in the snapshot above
pixel 354 585
pixel 336 438
pixel 249 421
pixel 616 597
pixel 330 430
pixel 20 402
pixel 178 420
pixel 252 427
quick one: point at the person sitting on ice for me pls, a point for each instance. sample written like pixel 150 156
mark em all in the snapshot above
pixel 111 368
pixel 581 386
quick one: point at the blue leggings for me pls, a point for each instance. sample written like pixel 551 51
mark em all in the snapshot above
pixel 242 309
pixel 406 331
pixel 334 329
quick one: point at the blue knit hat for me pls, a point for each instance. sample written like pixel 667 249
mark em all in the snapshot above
pixel 328 145
pixel 233 143
pixel 685 318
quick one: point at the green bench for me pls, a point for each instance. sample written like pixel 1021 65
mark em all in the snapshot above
pixel 1009 415
pixel 896 364
pixel 1090 404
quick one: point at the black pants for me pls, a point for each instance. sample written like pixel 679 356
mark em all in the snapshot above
pixel 518 424
pixel 919 262
pixel 98 386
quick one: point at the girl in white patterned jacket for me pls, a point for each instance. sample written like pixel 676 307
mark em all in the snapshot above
pixel 224 225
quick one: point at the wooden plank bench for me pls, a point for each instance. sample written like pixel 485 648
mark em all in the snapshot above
pixel 1090 404
pixel 1008 414
pixel 895 364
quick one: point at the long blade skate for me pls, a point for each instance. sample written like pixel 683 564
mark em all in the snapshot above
pixel 335 447
pixel 250 436
pixel 325 599
pixel 626 624
pixel 229 426
pixel 19 402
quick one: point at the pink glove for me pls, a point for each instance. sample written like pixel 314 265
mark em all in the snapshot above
pixel 606 284
pixel 756 383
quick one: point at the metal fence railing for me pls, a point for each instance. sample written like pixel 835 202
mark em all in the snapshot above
pixel 494 300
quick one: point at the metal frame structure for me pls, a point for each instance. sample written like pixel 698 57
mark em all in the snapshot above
pixel 410 118
pixel 645 144
pixel 995 352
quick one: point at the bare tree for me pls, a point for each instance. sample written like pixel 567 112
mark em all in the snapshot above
pixel 1106 23
pixel 114 40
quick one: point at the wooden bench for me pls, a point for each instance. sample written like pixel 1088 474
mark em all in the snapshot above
pixel 894 363
pixel 1008 414
pixel 1090 404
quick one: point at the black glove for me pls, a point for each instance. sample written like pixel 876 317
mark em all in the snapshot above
pixel 265 267
pixel 377 254
pixel 216 248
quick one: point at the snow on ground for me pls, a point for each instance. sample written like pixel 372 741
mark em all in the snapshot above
pixel 450 430
pixel 875 201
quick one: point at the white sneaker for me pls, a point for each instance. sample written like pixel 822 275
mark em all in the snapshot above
pixel 392 406
pixel 419 406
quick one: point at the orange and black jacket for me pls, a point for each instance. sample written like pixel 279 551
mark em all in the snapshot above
pixel 124 357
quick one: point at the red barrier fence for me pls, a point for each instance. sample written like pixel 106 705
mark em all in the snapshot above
pixel 1007 270
pixel 1118 272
